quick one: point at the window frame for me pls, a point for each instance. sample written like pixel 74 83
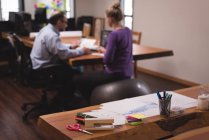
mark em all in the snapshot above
pixel 132 16
pixel 21 7
pixel 72 9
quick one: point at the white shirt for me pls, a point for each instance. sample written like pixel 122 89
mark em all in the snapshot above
pixel 48 50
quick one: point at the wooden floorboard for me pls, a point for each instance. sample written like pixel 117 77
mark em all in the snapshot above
pixel 13 94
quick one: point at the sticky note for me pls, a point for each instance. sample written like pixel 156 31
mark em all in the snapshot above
pixel 137 116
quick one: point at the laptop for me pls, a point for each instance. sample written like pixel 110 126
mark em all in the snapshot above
pixel 104 37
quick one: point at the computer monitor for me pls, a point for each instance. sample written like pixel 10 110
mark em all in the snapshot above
pixel 22 22
pixel 104 37
pixel 27 21
pixel 18 22
pixel 40 15
pixel 6 26
pixel 71 24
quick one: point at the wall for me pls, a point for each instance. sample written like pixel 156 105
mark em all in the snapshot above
pixel 84 7
pixel 29 7
pixel 94 8
pixel 182 26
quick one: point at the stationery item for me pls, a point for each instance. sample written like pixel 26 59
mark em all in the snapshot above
pixel 99 124
pixel 135 123
pixel 137 116
pixel 135 119
pixel 80 117
pixel 83 115
pixel 89 43
pixel 203 102
pixel 147 105
pixel 165 104
pixel 119 119
pixel 77 127
pixel 159 96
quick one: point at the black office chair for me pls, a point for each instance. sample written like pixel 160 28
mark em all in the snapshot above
pixel 119 90
pixel 42 78
pixel 84 19
pixel 6 51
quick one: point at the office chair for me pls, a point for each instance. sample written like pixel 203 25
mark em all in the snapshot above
pixel 119 90
pixel 84 19
pixel 136 36
pixel 6 51
pixel 40 19
pixel 71 24
pixel 42 78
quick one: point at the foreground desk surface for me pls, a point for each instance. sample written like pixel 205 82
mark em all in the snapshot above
pixel 139 52
pixel 154 127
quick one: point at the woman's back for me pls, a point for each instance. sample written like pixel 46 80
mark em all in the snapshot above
pixel 118 56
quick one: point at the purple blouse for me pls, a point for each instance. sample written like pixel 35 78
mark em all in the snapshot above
pixel 118 57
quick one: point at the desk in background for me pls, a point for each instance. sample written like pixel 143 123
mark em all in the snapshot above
pixel 139 52
pixel 154 128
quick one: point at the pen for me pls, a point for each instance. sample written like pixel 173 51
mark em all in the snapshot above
pixel 164 94
pixel 159 96
pixel 170 97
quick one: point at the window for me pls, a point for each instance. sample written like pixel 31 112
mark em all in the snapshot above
pixel 127 6
pixel 69 8
pixel 7 7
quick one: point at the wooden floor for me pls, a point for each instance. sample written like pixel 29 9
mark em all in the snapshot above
pixel 12 95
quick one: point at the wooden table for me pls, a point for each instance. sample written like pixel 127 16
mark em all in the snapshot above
pixel 139 52
pixel 154 127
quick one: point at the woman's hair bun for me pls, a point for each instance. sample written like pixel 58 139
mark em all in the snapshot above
pixel 116 5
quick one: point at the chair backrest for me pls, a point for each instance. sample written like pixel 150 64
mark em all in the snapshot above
pixel 119 90
pixel 23 60
pixel 84 19
pixel 71 24
pixel 41 78
pixel 136 37
pixel 86 29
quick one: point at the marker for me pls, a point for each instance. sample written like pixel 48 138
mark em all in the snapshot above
pixel 164 94
pixel 159 96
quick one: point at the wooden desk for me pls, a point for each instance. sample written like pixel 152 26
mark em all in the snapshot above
pixel 139 52
pixel 154 127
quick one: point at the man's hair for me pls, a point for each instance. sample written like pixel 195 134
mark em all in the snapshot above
pixel 55 17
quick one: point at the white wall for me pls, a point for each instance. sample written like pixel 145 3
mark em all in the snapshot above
pixel 180 25
pixel 29 7
pixel 84 7
pixel 94 8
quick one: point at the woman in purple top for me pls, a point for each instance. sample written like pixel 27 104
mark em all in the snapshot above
pixel 117 55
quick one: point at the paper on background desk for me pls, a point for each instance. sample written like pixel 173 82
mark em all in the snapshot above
pixel 97 54
pixel 62 34
pixel 89 43
pixel 147 105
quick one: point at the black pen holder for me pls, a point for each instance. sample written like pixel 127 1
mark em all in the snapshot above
pixel 165 107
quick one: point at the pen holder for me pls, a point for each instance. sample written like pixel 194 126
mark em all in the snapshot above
pixel 165 107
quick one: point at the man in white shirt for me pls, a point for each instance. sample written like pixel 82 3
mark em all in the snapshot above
pixel 49 52
pixel 48 49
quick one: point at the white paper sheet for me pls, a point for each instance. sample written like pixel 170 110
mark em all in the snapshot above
pixel 89 43
pixel 62 34
pixel 147 105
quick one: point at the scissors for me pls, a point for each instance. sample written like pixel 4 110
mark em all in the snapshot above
pixel 77 127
